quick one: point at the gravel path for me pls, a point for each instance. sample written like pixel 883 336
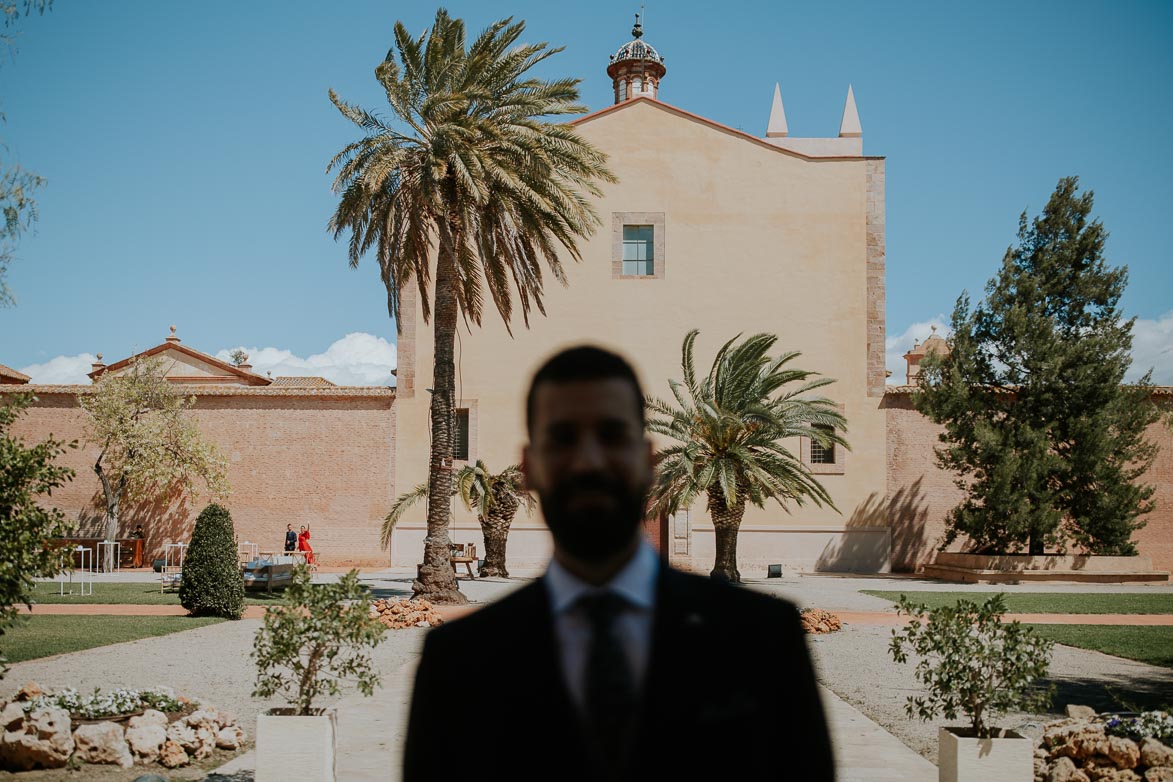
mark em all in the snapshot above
pixel 212 663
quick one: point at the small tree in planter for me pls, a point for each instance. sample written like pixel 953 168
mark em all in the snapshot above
pixel 973 663
pixel 309 647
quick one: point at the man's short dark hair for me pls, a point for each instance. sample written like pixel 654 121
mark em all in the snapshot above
pixel 585 362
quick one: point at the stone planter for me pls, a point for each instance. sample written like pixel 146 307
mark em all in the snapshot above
pixel 295 749
pixel 961 758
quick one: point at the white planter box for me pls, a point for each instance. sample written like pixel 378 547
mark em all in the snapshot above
pixel 295 749
pixel 1009 758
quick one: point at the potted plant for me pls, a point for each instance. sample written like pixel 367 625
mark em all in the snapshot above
pixel 972 663
pixel 318 640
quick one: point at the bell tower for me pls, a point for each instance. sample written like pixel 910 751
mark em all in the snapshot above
pixel 636 69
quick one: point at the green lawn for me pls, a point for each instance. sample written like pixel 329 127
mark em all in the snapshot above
pixel 137 593
pixel 1047 602
pixel 1152 645
pixel 40 636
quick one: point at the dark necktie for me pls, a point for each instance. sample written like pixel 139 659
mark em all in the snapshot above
pixel 610 689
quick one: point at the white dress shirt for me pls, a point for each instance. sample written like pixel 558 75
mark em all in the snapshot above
pixel 636 583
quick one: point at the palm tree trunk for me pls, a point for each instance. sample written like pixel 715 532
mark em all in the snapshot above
pixel 726 522
pixel 495 541
pixel 437 580
pixel 495 528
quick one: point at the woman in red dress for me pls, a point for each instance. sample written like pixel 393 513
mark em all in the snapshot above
pixel 303 544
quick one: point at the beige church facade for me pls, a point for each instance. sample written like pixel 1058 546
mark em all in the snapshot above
pixel 746 236
pixel 709 228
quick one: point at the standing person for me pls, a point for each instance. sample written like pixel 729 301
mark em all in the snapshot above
pixel 303 544
pixel 290 538
pixel 613 666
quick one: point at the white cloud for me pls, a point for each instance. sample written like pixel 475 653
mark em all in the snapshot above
pixel 358 359
pixel 896 347
pixel 1152 348
pixel 63 370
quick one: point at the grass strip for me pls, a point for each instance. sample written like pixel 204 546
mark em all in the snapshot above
pixel 32 637
pixel 1047 602
pixel 133 593
pixel 1152 645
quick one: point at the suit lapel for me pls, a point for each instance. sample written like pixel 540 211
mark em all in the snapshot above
pixel 678 625
pixel 539 660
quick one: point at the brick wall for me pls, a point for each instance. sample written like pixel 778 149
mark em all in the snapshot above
pixel 294 458
pixel 920 494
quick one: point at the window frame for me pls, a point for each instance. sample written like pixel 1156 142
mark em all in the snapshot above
pixel 470 405
pixel 655 220
pixel 837 467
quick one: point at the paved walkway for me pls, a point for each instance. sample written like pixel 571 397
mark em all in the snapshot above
pixel 371 732
pixel 884 618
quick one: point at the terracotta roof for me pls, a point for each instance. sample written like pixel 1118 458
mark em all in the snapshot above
pixel 301 382
pixel 314 391
pixel 659 104
pixel 12 374
pixel 230 371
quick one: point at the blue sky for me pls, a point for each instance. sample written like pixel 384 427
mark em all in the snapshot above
pixel 185 146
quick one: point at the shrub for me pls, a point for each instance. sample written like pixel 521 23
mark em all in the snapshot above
pixel 316 641
pixel 971 661
pixel 106 704
pixel 1150 724
pixel 212 584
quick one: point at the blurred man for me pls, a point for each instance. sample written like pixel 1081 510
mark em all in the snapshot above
pixel 612 666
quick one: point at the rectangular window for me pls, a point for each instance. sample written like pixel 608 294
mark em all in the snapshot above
pixel 460 441
pixel 821 454
pixel 639 255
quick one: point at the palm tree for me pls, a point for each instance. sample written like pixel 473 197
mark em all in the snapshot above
pixel 730 428
pixel 470 190
pixel 494 498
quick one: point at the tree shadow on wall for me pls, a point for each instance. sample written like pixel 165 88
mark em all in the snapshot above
pixel 904 515
pixel 170 520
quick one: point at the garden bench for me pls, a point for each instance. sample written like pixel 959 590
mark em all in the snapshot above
pixel 465 554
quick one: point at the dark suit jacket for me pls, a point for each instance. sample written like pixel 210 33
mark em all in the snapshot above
pixel 729 694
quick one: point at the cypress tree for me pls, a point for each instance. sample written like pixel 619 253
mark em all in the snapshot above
pixel 1039 427
pixel 212 583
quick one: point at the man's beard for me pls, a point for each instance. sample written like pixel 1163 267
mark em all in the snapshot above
pixel 593 531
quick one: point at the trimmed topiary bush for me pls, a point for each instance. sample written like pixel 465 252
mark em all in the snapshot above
pixel 212 584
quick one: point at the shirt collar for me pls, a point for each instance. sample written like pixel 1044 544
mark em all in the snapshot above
pixel 635 581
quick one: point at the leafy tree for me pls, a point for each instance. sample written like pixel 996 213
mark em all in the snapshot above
pixel 238 357
pixel 1042 433
pixel 469 191
pixel 212 584
pixel 495 499
pixel 317 641
pixel 27 474
pixel 730 428
pixel 151 448
pixel 18 209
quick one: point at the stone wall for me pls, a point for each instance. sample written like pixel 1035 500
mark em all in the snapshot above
pixel 321 457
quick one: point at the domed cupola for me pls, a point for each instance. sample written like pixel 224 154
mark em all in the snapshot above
pixel 636 69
